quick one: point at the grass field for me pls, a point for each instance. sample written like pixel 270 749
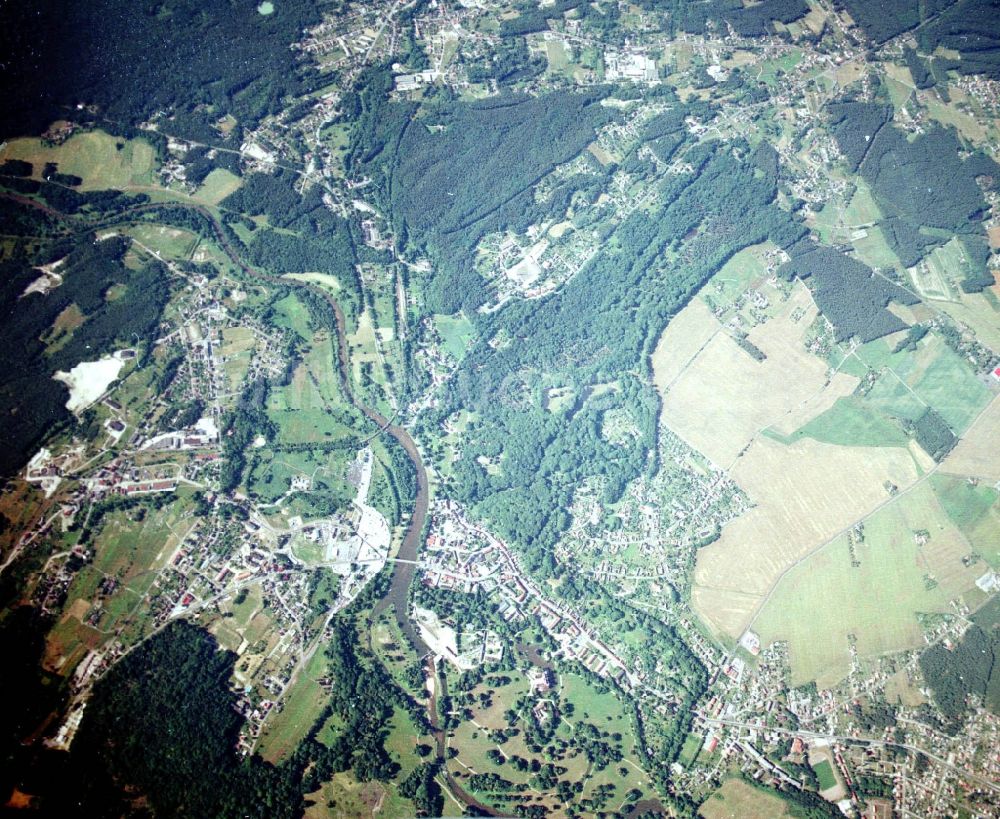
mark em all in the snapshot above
pixel 979 311
pixel 736 275
pixel 93 156
pixel 324 280
pixel 932 376
pixel 291 314
pixel 169 242
pixel 825 775
pixel 456 334
pixel 303 704
pixel 849 422
pixel 738 800
pixel 824 599
pixel 873 249
pixel 217 186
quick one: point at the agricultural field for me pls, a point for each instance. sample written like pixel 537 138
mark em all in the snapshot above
pixel 825 598
pixel 217 186
pixel 850 422
pixel 737 799
pixel 102 161
pixel 973 507
pixel 975 454
pixel 933 376
pixel 723 398
pixel 797 509
pixel 302 706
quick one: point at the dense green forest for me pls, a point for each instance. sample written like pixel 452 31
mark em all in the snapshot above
pixel 968 669
pixel 132 58
pixel 160 730
pixel 753 20
pixel 462 170
pixel 971 27
pixel 848 293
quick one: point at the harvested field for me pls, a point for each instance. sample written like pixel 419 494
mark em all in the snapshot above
pixel 724 397
pixel 681 341
pixel 805 494
pixel 976 454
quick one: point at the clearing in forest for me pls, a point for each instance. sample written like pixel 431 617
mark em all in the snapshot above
pixel 93 156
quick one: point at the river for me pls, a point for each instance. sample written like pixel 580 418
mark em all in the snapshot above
pixel 402 572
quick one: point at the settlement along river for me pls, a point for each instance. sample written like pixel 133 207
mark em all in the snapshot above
pixel 404 569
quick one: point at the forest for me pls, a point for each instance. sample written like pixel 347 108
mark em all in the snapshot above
pixel 970 669
pixel 748 20
pixel 848 293
pixel 164 721
pixel 310 237
pixel 971 27
pixel 132 58
pixel 463 170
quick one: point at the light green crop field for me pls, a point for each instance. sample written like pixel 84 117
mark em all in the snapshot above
pixel 825 598
pixel 303 705
pixel 852 422
pixel 975 510
pixel 825 775
pixel 891 396
pixel 217 186
pixel 933 375
pixel 93 156
pixel 456 334
pixel 738 800
pixel 949 385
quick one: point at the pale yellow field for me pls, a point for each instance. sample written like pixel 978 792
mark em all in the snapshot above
pixel 976 454
pixel 324 280
pixel 804 494
pixel 682 341
pixel 725 397
pixel 217 186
